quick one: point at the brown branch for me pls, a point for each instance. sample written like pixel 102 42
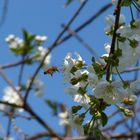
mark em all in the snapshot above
pixel 26 106
pixel 113 136
pixel 39 135
pixel 116 26
pixel 132 69
pixel 41 121
pixel 123 136
pixel 5 66
pixel 45 134
pixel 10 104
pixel 115 125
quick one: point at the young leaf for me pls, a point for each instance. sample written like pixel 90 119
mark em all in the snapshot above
pixel 104 118
pixel 75 109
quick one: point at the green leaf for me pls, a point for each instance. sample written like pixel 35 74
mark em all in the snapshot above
pixel 104 118
pixel 84 77
pixel 120 38
pixel 82 90
pixel 75 109
pixel 98 69
pixel 133 43
pixel 74 81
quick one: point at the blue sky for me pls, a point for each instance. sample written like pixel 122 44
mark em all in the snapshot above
pixel 44 17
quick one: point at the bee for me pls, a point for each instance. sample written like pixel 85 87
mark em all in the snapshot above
pixel 51 70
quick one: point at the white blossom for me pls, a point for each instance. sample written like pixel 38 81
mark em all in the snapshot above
pixel 73 90
pixel 41 53
pixel 14 42
pixel 134 87
pixel 83 100
pixel 92 77
pixel 11 96
pixel 111 93
pixel 63 118
pixel 110 20
pixel 41 38
pixel 130 32
pixel 69 63
pixel 129 56
pixel 10 38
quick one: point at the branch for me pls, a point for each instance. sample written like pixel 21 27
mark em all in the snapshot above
pixel 115 125
pixel 81 40
pixel 45 125
pixel 132 69
pixel 10 104
pixel 45 134
pixel 5 66
pixel 87 22
pixel 113 136
pixel 116 26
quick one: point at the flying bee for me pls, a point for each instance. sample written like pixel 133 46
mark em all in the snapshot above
pixel 51 70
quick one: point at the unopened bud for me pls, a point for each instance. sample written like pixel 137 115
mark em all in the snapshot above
pixel 130 100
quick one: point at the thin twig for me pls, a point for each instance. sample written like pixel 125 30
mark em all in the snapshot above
pixel 10 65
pixel 45 125
pixel 9 126
pixel 26 106
pixel 132 69
pixel 116 124
pixel 11 104
pixel 84 44
pixel 87 22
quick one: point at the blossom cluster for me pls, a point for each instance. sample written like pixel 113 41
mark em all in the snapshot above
pixel 128 40
pixel 31 44
pixel 84 78
pixel 89 85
